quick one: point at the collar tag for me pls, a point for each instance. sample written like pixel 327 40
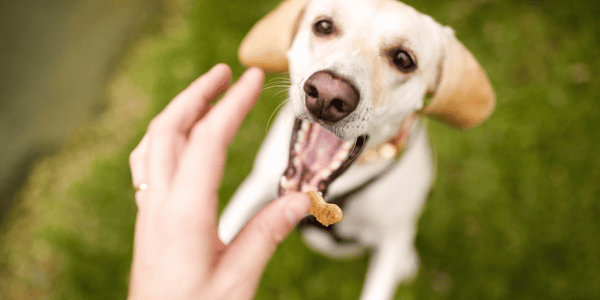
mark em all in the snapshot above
pixel 394 147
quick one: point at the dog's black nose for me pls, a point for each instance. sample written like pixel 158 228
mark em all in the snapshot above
pixel 330 97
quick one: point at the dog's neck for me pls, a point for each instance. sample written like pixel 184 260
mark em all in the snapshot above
pixel 393 147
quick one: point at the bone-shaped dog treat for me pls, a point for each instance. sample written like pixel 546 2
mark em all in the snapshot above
pixel 326 213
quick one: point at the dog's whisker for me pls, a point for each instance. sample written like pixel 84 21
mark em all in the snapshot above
pixel 280 92
pixel 277 85
pixel 290 112
pixel 281 85
pixel 271 117
pixel 285 87
pixel 280 76
pixel 280 80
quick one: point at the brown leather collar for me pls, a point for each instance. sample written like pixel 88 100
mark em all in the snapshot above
pixel 394 147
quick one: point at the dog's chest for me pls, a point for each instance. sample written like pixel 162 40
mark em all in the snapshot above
pixel 379 197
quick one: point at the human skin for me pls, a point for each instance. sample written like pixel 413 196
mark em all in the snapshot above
pixel 177 253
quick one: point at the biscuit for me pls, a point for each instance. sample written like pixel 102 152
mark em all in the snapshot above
pixel 326 213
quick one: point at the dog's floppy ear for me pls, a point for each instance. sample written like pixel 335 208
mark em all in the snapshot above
pixel 463 96
pixel 268 41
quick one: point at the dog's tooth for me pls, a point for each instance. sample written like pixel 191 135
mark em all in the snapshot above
pixel 336 164
pixel 305 125
pixel 326 173
pixel 343 154
pixel 284 182
pixel 347 145
pixel 301 136
pixel 296 161
pixel 297 147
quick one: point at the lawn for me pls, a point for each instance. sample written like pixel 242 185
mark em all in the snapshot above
pixel 513 214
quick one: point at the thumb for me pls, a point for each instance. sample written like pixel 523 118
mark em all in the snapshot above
pixel 246 257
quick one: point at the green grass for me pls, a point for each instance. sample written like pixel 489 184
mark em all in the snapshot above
pixel 513 214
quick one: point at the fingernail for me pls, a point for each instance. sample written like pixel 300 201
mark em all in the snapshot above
pixel 298 205
pixel 219 68
pixel 251 70
pixel 219 65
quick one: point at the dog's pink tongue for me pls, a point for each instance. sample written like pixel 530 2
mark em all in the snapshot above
pixel 317 157
pixel 321 145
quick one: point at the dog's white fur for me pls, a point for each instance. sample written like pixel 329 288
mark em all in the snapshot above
pixel 382 216
pixel 387 95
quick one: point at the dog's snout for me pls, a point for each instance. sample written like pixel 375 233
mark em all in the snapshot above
pixel 330 97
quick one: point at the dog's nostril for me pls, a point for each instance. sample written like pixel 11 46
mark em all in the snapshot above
pixel 338 104
pixel 330 97
pixel 311 91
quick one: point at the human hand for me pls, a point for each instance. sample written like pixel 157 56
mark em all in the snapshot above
pixel 177 253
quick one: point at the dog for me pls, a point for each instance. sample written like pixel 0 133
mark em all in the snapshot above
pixel 361 72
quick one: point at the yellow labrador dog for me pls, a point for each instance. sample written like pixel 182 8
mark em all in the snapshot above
pixel 360 72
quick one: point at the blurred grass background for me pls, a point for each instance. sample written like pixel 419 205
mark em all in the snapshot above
pixel 513 214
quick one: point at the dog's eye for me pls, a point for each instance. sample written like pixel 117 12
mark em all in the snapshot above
pixel 323 28
pixel 403 61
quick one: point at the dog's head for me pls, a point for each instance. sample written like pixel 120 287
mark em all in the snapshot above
pixel 357 66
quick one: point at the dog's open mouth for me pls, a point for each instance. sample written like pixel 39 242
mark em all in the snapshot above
pixel 317 157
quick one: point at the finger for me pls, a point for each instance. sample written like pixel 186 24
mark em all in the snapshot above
pixel 246 257
pixel 138 164
pixel 229 113
pixel 202 161
pixel 168 131
pixel 137 161
pixel 193 102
